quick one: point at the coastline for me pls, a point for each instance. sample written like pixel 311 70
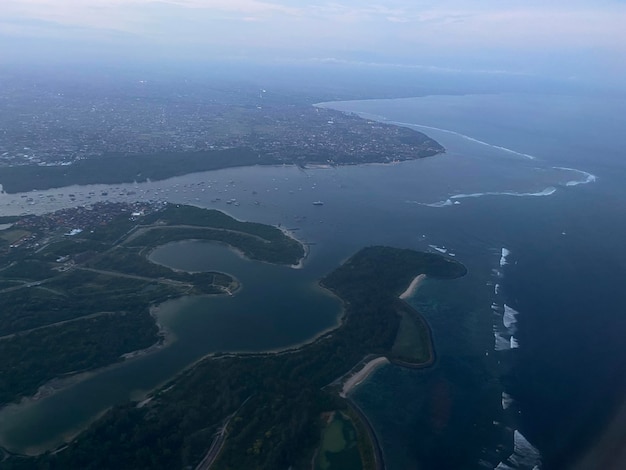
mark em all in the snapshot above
pixel 362 375
pixel 320 336
pixel 62 382
pixel 412 288
pixel 165 339
pixel 305 247
pixel 358 374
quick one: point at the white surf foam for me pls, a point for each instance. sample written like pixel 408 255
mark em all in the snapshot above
pixel 503 466
pixel 508 319
pixel 502 344
pixel 503 256
pixel 448 202
pixel 507 400
pixel 524 456
pixel 445 203
pixel 466 137
pixel 588 177
pixel 545 192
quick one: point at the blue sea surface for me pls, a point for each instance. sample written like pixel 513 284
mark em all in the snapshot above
pixel 529 195
pixel 557 305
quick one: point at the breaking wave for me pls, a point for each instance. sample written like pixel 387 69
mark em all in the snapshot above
pixel 445 203
pixel 466 137
pixel 545 192
pixel 455 198
pixel 589 177
pixel 502 344
pixel 507 400
pixel 524 456
pixel 503 256
pixel 508 319
pixel 503 466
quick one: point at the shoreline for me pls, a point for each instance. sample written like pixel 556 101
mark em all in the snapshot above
pixel 412 288
pixel 320 336
pixel 166 338
pixel 305 247
pixel 356 376
pixel 62 382
pixel 362 375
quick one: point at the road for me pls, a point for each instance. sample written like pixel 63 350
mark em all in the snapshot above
pixel 59 323
pixel 218 441
pixel 171 282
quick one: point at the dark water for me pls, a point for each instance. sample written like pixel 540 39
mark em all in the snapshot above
pixel 237 323
pixel 563 277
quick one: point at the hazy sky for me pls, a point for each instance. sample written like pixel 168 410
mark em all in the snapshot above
pixel 519 35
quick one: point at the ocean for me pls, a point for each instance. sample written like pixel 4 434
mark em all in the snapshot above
pixel 557 308
pixel 529 196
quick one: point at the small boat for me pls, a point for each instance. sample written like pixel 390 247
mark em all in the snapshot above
pixel 318 203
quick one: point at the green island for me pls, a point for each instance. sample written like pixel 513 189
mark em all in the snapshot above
pixel 77 287
pixel 289 409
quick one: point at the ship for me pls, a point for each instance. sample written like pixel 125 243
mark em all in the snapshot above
pixel 318 203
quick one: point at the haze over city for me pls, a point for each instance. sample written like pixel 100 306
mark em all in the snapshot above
pixel 567 39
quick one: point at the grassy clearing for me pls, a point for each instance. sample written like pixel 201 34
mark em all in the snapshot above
pixel 338 449
pixel 412 341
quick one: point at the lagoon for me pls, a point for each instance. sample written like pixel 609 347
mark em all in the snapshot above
pixel 277 307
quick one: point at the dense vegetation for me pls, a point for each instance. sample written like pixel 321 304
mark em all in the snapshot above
pixel 79 303
pixel 256 241
pixel 116 169
pixel 279 424
pixel 28 361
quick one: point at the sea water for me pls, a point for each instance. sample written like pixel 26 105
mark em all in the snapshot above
pixel 556 306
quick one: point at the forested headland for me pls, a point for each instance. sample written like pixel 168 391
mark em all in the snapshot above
pixel 272 405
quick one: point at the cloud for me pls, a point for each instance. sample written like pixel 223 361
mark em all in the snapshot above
pixel 409 28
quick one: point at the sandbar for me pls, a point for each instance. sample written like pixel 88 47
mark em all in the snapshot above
pixel 410 291
pixel 362 375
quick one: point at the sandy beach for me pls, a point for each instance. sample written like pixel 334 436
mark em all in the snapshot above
pixel 362 375
pixel 290 234
pixel 410 291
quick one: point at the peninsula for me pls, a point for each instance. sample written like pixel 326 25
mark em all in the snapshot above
pixel 270 410
pixel 155 138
